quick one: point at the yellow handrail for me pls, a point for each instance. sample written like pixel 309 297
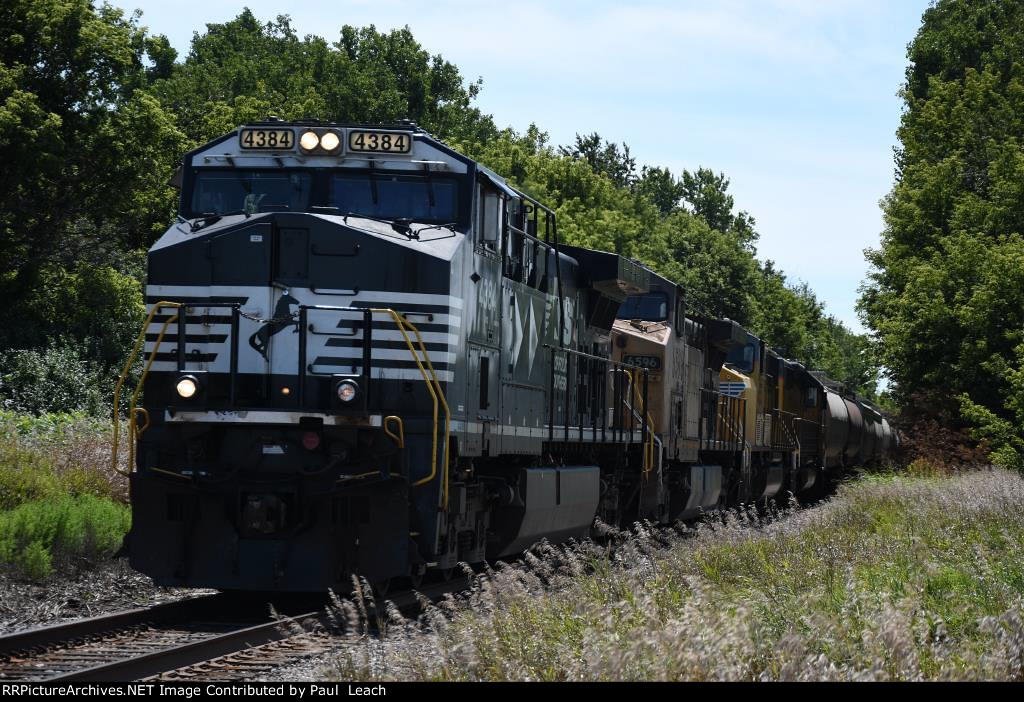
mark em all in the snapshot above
pixel 139 431
pixel 139 341
pixel 447 411
pixel 436 395
pixel 399 438
pixel 649 445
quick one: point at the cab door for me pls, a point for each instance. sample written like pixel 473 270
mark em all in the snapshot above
pixel 482 398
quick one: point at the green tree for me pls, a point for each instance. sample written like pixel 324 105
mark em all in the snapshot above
pixel 86 151
pixel 660 187
pixel 946 294
pixel 604 158
pixel 707 193
pixel 718 274
pixel 245 70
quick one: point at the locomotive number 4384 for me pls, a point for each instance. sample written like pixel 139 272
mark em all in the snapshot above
pixel 266 139
pixel 380 142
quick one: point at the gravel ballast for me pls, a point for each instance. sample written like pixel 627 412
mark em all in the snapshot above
pixel 78 593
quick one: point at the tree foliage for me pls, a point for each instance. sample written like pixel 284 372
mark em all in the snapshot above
pixel 244 70
pixel 946 296
pixel 86 152
pixel 83 145
pixel 605 158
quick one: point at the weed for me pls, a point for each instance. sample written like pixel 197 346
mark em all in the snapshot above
pixel 895 578
pixel 36 535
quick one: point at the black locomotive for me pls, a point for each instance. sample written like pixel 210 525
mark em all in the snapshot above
pixel 368 354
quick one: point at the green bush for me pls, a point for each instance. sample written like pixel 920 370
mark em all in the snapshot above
pixel 37 534
pixel 94 309
pixel 62 345
pixel 52 380
pixel 24 475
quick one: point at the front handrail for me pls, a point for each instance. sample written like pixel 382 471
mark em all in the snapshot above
pixel 604 417
pixel 782 436
pixel 437 394
pixel 398 438
pixel 133 432
pixel 723 416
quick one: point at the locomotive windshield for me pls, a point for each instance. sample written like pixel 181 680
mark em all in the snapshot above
pixel 419 198
pixel 223 191
pixel 652 307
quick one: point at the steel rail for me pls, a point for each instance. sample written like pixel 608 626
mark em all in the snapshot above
pixel 127 662
pixel 43 636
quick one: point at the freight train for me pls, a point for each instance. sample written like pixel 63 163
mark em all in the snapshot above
pixel 367 354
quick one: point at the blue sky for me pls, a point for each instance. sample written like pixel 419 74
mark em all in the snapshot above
pixel 794 100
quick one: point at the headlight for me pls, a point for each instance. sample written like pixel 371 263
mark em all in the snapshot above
pixel 309 141
pixel 330 141
pixel 347 390
pixel 187 386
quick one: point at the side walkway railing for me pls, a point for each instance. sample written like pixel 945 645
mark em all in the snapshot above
pixel 579 386
pixel 723 425
pixel 784 435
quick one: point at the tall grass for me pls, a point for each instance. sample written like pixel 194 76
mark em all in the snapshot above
pixel 894 579
pixel 60 502
pixel 56 454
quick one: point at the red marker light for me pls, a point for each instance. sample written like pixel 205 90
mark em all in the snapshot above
pixel 311 441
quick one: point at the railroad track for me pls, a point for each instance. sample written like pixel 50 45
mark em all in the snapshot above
pixel 215 637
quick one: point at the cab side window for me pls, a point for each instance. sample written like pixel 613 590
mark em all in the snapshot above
pixel 514 244
pixel 812 397
pixel 490 218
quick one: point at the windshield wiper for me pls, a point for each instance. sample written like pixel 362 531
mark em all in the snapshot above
pixel 399 224
pixel 207 218
pixel 450 226
pixel 360 215
pixel 204 219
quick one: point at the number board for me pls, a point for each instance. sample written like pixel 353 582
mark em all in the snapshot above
pixel 360 141
pixel 266 139
pixel 648 362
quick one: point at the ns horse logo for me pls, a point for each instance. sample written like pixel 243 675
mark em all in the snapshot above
pixel 282 318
